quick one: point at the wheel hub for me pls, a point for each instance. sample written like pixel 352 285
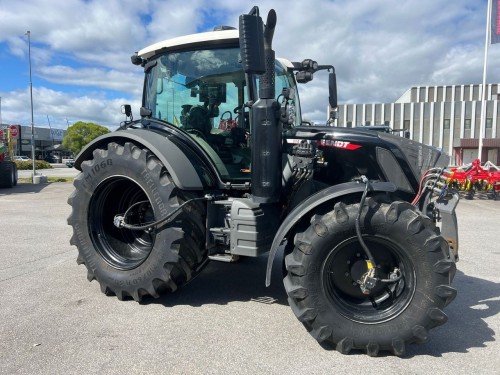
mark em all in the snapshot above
pixel 122 248
pixel 358 269
pixel 346 265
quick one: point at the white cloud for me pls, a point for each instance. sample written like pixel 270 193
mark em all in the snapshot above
pixel 62 108
pixel 173 18
pixel 93 77
pixel 380 48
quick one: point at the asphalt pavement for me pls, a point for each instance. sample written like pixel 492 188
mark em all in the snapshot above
pixel 53 321
pixel 57 170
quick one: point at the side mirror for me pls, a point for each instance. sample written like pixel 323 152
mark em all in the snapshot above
pixel 127 110
pixel 136 60
pixel 332 90
pixel 252 42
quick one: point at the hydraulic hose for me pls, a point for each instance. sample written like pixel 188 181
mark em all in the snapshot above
pixel 369 279
pixel 119 220
pixel 358 229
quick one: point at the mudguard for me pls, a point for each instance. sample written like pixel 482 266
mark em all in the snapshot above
pixel 310 204
pixel 179 166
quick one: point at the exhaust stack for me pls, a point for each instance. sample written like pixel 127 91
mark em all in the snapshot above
pixel 258 58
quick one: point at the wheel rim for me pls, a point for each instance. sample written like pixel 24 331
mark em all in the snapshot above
pixel 346 263
pixel 121 248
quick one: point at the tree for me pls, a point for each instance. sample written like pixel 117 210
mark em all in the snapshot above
pixel 81 133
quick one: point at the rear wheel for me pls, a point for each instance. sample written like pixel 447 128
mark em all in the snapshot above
pixel 134 263
pixel 324 268
pixel 8 174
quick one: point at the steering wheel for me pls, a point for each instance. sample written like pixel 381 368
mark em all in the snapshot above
pixel 228 112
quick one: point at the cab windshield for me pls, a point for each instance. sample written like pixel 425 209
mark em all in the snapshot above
pixel 204 92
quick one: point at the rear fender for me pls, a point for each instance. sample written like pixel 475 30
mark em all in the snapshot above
pixel 179 166
pixel 310 204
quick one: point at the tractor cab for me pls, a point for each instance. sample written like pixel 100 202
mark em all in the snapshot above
pixel 197 84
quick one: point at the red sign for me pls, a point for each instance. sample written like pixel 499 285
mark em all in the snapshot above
pixel 338 144
pixel 13 130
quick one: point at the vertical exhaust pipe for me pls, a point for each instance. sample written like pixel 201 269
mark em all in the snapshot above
pixel 267 80
pixel 266 143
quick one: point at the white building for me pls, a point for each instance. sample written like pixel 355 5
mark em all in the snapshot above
pixel 447 117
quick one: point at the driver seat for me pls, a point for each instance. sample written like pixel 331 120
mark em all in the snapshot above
pixel 198 118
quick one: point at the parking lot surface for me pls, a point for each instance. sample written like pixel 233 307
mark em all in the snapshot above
pixel 58 170
pixel 53 321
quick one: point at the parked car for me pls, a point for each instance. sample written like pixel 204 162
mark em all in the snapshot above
pixel 51 159
pixel 21 158
pixel 70 163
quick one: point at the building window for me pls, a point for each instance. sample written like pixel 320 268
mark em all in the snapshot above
pixel 440 94
pixel 446 123
pixel 349 124
pixel 475 92
pixel 448 91
pixel 387 123
pixel 467 123
pixel 367 123
pixel 489 123
pixel 421 97
pixel 406 125
pixel 431 94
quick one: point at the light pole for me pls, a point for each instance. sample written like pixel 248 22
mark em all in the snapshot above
pixel 31 99
pixel 51 134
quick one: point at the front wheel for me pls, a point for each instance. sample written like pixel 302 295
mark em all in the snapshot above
pixel 327 262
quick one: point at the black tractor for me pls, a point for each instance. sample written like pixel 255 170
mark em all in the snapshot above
pixel 220 165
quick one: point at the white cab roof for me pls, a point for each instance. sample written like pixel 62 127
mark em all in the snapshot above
pixel 286 63
pixel 210 36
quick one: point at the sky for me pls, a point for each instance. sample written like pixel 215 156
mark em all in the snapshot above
pixel 80 50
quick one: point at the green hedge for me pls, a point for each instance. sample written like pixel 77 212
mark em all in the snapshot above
pixel 26 165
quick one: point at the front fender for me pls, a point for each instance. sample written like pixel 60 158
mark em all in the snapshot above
pixel 179 166
pixel 310 204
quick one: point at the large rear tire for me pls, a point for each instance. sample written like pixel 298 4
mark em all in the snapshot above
pixel 8 174
pixel 324 268
pixel 131 263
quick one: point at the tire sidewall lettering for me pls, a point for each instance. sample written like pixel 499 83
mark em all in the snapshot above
pixel 99 170
pixel 93 177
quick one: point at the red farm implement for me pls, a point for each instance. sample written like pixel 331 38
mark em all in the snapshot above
pixel 472 178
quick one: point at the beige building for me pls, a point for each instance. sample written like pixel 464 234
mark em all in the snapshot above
pixel 447 117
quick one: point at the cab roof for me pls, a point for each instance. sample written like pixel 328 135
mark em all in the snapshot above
pixel 186 41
